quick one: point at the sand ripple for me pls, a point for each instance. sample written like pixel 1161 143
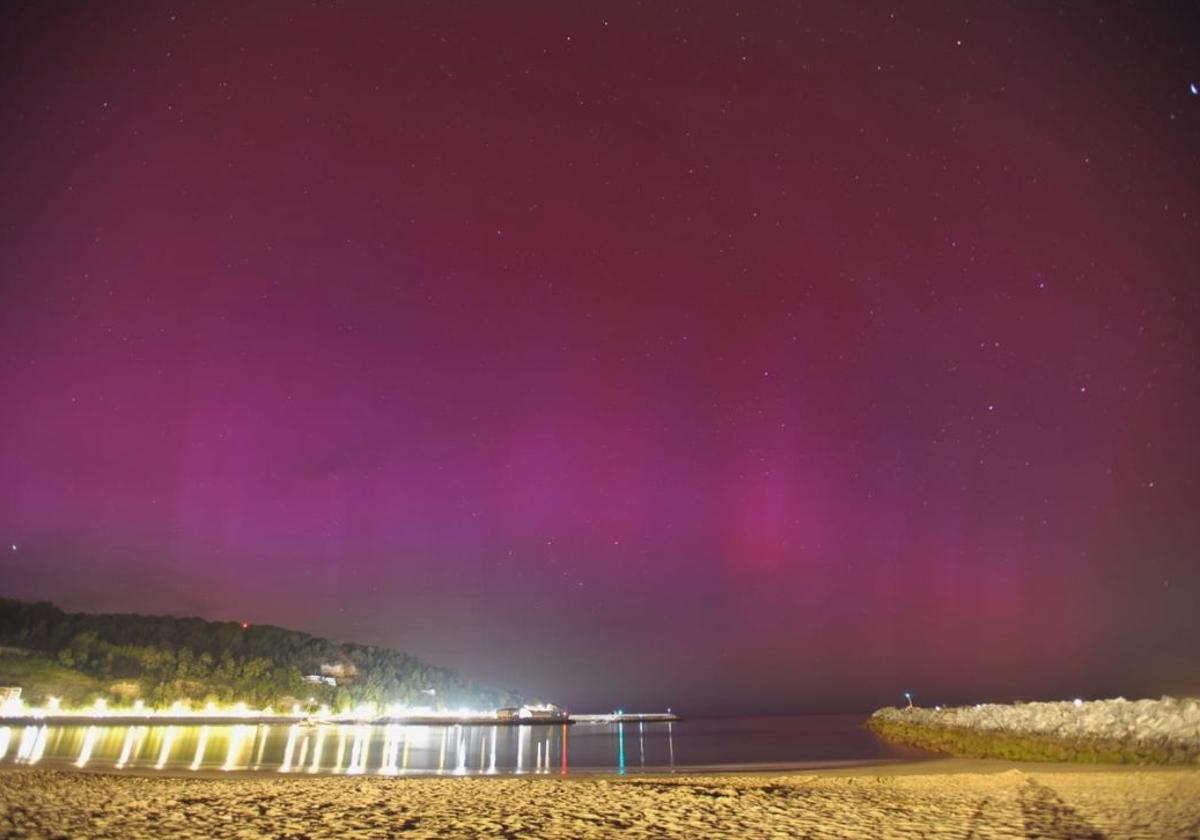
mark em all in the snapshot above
pixel 963 803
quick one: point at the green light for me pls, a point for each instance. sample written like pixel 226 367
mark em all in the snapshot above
pixel 620 749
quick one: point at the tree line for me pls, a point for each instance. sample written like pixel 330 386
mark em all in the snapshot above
pixel 161 659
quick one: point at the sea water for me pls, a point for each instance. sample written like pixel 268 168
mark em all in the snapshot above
pixel 702 744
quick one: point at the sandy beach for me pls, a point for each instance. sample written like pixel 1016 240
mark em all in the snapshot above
pixel 946 798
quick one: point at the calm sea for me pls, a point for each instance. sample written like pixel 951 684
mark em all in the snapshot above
pixel 693 745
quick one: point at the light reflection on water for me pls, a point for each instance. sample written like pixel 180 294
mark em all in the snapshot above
pixel 396 749
pixel 350 749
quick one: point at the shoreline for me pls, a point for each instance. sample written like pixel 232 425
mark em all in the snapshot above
pixel 263 720
pixel 654 772
pixel 167 719
pixel 952 797
pixel 932 764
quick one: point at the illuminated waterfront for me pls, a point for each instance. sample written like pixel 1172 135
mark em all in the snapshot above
pixel 398 749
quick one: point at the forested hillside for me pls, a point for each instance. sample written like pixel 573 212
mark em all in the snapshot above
pixel 160 659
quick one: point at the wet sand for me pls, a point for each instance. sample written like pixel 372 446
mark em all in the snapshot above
pixel 952 798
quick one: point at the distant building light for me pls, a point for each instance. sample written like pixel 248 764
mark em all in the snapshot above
pixel 11 694
pixel 543 711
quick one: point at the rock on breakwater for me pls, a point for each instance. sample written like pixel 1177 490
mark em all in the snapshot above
pixel 1164 731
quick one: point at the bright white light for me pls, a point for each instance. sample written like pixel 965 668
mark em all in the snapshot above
pixel 288 750
pixel 89 743
pixel 126 748
pixel 139 705
pixel 25 749
pixel 52 703
pixel 391 750
pixel 200 745
pixel 358 751
pixel 316 759
pixel 165 753
pixel 101 704
pixel 237 740
pixel 1078 702
pixel 39 746
pixel 341 749
pixel 13 707
pixel 461 768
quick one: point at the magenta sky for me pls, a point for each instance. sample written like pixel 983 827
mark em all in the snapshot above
pixel 636 354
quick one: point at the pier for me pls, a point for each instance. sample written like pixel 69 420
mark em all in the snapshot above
pixel 628 717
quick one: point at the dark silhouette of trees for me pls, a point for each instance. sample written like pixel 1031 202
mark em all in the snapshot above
pixel 161 659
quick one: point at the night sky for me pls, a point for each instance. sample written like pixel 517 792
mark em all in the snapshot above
pixel 766 357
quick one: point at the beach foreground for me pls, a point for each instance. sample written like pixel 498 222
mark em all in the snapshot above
pixel 951 798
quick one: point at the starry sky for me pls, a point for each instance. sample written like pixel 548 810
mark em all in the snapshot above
pixel 762 357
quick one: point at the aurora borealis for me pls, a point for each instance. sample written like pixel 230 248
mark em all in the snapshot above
pixel 763 357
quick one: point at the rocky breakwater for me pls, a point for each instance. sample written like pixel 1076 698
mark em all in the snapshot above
pixel 1165 731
